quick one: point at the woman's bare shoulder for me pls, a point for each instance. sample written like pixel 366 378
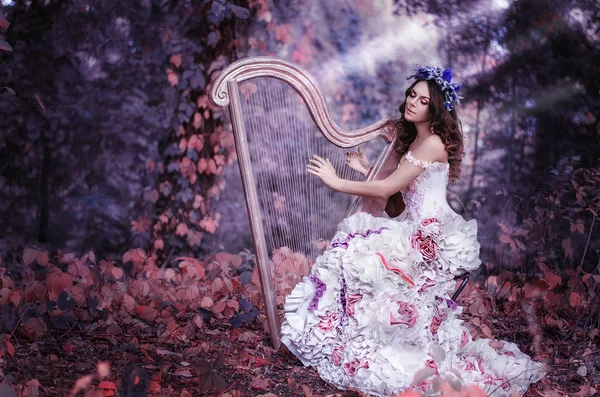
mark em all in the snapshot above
pixel 432 149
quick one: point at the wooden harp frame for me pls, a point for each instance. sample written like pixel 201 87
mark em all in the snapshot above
pixel 224 92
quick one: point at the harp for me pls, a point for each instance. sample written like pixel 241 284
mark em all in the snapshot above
pixel 279 120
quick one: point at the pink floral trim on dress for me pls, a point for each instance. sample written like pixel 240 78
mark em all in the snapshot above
pixel 329 321
pixel 441 313
pixel 336 356
pixel 438 165
pixel 432 364
pixel 351 300
pixel 491 380
pixel 422 386
pixel 464 339
pixel 353 366
pixel 424 240
pixel 407 315
pixel 429 283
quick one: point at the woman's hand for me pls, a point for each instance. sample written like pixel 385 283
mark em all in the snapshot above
pixel 358 162
pixel 324 170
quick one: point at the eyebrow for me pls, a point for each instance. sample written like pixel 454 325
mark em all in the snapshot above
pixel 422 96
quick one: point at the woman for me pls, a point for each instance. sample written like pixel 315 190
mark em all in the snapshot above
pixel 374 313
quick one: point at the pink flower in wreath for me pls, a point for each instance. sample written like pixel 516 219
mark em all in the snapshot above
pixel 425 245
pixel 407 315
pixel 351 300
pixel 328 321
pixel 336 356
pixel 353 366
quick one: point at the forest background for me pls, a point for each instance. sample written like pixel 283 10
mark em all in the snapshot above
pixel 121 207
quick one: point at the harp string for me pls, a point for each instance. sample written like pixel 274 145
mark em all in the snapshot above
pixel 296 208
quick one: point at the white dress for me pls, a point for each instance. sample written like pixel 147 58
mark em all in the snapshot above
pixel 375 312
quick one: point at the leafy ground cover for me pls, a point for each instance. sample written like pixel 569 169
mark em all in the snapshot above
pixel 78 326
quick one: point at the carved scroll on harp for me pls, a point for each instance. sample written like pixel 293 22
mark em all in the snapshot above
pixel 279 120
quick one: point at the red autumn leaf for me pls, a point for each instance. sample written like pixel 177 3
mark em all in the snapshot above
pixel 172 77
pixel 10 348
pixel 211 167
pixel 185 372
pixel 206 302
pixel 153 386
pixel 29 256
pixel 236 260
pixel 128 303
pixel 146 313
pixel 209 224
pixel 220 306
pixel 222 257
pixel 15 297
pixel 552 279
pixel 505 238
pixel 504 228
pixel 259 383
pixel 535 288
pixel 117 272
pixel 486 331
pixel 176 60
pixel 577 226
pixel 194 238
pixel 182 229
pixel 216 285
pixel 234 304
pixel 136 255
pixel 574 299
pixel 107 385
pixel 566 245
pixel 159 244
pixel 520 244
pixel 5 295
pixel 202 165
pixel 198 121
pixel 199 321
pixel 114 330
pixel 202 102
pixel 42 258
pixel 95 392
pixel 4 24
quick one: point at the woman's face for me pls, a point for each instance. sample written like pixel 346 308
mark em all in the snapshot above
pixel 417 103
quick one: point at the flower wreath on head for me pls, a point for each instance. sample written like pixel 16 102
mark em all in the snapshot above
pixel 443 79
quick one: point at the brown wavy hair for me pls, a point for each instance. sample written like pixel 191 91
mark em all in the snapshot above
pixel 445 124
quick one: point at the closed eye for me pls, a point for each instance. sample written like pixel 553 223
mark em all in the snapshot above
pixel 414 94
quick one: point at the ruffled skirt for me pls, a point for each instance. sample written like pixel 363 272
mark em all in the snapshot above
pixel 374 313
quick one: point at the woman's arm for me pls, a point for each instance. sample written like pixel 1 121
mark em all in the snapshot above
pixel 429 150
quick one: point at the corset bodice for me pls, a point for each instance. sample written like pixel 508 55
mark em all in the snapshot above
pixel 425 196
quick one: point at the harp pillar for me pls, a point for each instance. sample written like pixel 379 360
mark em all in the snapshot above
pixel 253 206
